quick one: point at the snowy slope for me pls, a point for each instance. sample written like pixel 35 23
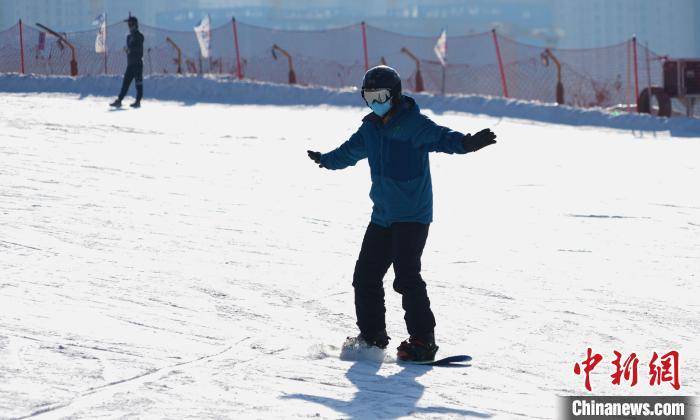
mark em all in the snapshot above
pixel 189 261
pixel 227 90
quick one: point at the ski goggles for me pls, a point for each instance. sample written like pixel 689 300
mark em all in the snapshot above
pixel 376 95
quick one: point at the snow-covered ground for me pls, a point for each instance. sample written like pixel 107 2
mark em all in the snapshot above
pixel 228 90
pixel 189 261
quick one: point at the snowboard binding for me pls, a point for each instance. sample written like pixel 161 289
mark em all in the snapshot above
pixel 417 350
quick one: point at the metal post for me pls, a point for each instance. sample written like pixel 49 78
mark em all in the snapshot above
pixel 364 44
pixel 636 73
pixel 504 85
pixel 646 52
pixel 239 71
pixel 73 61
pixel 105 58
pixel 21 47
pixel 443 80
pixel 691 107
pixel 628 87
pixel 419 77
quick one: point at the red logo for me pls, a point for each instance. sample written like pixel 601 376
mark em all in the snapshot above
pixel 667 372
pixel 661 369
pixel 626 370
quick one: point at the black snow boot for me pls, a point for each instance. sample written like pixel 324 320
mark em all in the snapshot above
pixel 380 340
pixel 136 104
pixel 117 103
pixel 417 349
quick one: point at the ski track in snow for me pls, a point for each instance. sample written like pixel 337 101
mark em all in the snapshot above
pixel 189 261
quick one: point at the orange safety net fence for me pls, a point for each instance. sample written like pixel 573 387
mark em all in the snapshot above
pixel 601 77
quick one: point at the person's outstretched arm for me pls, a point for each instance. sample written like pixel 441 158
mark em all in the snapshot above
pixel 437 138
pixel 348 154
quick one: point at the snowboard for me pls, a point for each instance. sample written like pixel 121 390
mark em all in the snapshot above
pixel 122 107
pixel 458 360
pixel 354 350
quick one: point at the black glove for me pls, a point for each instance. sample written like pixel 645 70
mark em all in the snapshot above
pixel 316 157
pixel 481 139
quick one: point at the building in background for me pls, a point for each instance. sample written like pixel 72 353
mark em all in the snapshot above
pixel 61 15
pixel 528 20
pixel 697 30
pixel 669 26
pixel 77 15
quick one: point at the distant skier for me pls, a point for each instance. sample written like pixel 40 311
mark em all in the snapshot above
pixel 134 64
pixel 396 139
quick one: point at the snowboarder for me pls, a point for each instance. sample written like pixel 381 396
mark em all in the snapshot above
pixel 134 63
pixel 396 138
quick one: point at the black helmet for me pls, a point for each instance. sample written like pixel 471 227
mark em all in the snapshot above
pixel 383 77
pixel 132 21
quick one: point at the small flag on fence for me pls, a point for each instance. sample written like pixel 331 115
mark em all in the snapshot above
pixel 101 40
pixel 203 33
pixel 441 48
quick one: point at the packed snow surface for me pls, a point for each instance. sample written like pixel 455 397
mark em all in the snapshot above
pixel 228 90
pixel 187 260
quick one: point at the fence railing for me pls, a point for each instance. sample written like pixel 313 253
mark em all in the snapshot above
pixel 486 63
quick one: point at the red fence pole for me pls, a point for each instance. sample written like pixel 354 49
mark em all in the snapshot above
pixel 105 58
pixel 106 50
pixel 21 48
pixel 364 45
pixel 636 75
pixel 628 86
pixel 239 71
pixel 504 85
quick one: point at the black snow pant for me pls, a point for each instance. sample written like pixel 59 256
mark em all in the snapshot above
pixel 401 244
pixel 133 71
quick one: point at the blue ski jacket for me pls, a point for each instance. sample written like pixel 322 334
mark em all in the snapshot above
pixel 398 160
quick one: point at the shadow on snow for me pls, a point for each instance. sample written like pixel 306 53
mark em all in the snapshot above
pixel 380 396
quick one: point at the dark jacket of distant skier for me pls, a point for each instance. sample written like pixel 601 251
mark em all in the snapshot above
pixel 398 159
pixel 134 64
pixel 134 48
